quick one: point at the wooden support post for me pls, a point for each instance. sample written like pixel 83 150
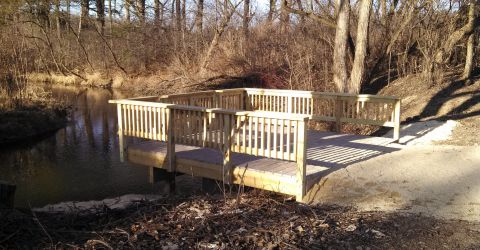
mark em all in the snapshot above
pixel 157 175
pixel 122 145
pixel 338 114
pixel 170 141
pixel 227 149
pixel 7 194
pixel 396 121
pixel 301 160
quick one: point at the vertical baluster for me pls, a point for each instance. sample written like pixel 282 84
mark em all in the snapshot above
pixel 256 136
pixel 237 131
pixel 269 136
pixel 262 136
pixel 295 139
pixel 250 140
pixel 244 134
pixel 275 133
pixel 282 127
pixel 289 130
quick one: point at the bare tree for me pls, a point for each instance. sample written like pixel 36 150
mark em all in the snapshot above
pixel 227 16
pixel 443 54
pixel 199 16
pixel 100 4
pixel 284 16
pixel 127 6
pixel 358 69
pixel 246 17
pixel 271 11
pixel 340 73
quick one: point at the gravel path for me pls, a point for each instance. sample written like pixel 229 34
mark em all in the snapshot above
pixel 423 177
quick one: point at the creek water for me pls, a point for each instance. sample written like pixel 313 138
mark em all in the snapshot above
pixel 76 163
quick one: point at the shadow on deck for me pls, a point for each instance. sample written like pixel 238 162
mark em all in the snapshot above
pixel 326 153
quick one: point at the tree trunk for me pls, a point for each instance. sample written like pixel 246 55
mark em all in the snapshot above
pixel 57 19
pixel 156 10
pixel 340 77
pixel 184 15
pixel 358 69
pixel 284 17
pixel 100 4
pixel 199 16
pixel 127 10
pixel 178 15
pixel 271 11
pixel 218 33
pixel 467 71
pixel 246 17
pixel 141 10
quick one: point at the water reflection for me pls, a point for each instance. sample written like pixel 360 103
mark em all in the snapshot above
pixel 79 162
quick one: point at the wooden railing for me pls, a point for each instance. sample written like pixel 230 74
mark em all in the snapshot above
pixel 319 106
pixel 226 99
pixel 334 107
pixel 267 134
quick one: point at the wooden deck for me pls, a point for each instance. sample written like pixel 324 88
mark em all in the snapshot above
pixel 253 137
pixel 326 152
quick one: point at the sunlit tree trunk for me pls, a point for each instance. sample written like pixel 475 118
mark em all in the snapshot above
pixel 199 16
pixel 271 11
pixel 57 19
pixel 127 10
pixel 284 17
pixel 467 71
pixel 358 69
pixel 340 75
pixel 141 10
pixel 246 17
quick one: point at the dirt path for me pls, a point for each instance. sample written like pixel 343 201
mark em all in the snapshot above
pixel 423 177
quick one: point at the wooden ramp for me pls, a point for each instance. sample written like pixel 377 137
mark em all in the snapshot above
pixel 326 152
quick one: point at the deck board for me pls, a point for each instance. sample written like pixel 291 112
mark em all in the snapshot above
pixel 326 152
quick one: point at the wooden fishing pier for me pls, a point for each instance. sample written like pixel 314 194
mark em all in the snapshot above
pixel 252 137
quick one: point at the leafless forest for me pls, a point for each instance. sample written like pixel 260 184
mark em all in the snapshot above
pixel 345 46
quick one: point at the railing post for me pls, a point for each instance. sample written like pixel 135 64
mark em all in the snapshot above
pixel 227 149
pixel 170 140
pixel 289 103
pixel 338 114
pixel 301 159
pixel 396 121
pixel 121 142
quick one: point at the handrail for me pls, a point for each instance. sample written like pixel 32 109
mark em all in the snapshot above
pixel 267 134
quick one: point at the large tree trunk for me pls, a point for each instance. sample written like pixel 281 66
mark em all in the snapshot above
pixel 340 75
pixel 358 69
pixel 246 17
pixel 467 71
pixel 199 16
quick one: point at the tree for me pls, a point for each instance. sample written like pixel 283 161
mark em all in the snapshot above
pixel 361 44
pixel 199 16
pixel 246 17
pixel 340 74
pixel 100 4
